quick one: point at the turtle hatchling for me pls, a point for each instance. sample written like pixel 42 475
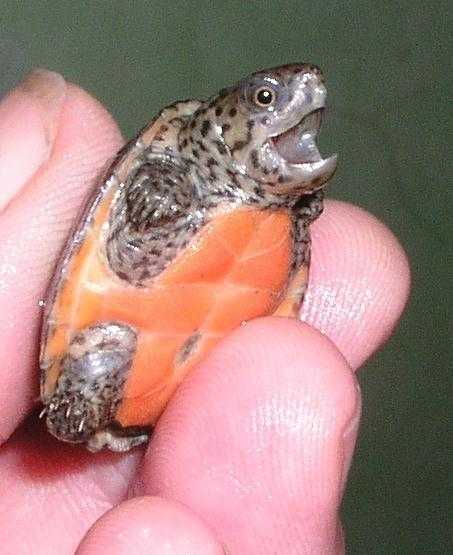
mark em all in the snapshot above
pixel 200 224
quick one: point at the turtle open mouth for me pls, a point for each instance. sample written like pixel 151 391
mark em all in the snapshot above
pixel 297 145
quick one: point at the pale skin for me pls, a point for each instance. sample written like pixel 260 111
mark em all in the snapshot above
pixel 253 452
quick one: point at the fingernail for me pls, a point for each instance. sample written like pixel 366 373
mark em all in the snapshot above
pixel 48 89
pixel 28 123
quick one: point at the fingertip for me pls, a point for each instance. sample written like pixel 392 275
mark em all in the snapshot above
pixel 29 117
pixel 359 280
pixel 37 221
pixel 267 422
pixel 150 525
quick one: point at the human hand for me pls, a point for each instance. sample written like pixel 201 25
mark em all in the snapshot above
pixel 252 453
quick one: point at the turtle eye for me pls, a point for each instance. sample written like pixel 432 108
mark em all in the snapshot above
pixel 264 97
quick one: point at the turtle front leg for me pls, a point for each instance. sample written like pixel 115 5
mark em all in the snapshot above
pixel 306 210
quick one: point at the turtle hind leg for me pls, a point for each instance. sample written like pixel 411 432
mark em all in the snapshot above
pixel 90 387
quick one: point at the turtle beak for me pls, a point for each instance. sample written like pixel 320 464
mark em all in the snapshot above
pixel 297 146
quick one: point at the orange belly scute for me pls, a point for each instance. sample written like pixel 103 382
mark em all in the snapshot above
pixel 235 269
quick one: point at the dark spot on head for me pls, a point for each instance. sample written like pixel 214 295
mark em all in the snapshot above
pixel 225 127
pixel 232 112
pixel 254 158
pixel 265 120
pixel 239 145
pixel 250 124
pixel 202 146
pixel 193 123
pixel 205 127
pixel 221 147
pixel 195 153
pixel 212 162
pixel 266 171
pixel 184 143
pixel 281 178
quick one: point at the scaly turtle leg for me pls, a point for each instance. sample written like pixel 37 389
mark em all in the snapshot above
pixel 304 213
pixel 90 387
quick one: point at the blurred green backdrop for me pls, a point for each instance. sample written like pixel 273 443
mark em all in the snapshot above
pixel 390 79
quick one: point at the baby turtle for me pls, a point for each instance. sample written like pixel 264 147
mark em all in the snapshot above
pixel 201 223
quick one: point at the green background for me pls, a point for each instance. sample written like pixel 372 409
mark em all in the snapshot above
pixel 390 78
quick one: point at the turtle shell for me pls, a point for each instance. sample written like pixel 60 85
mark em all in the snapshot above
pixel 235 268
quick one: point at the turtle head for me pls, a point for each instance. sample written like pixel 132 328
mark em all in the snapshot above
pixel 265 127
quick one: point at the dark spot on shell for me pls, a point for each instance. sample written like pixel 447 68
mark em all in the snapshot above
pixel 145 275
pixel 195 153
pixel 205 127
pixel 79 339
pixel 232 112
pixel 184 143
pixel 193 123
pixel 218 111
pixel 212 162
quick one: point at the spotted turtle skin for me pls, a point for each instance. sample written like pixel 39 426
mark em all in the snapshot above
pixel 201 223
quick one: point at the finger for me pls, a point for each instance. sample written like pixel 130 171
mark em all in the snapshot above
pixel 34 226
pixel 28 120
pixel 359 281
pixel 51 492
pixel 150 525
pixel 258 440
